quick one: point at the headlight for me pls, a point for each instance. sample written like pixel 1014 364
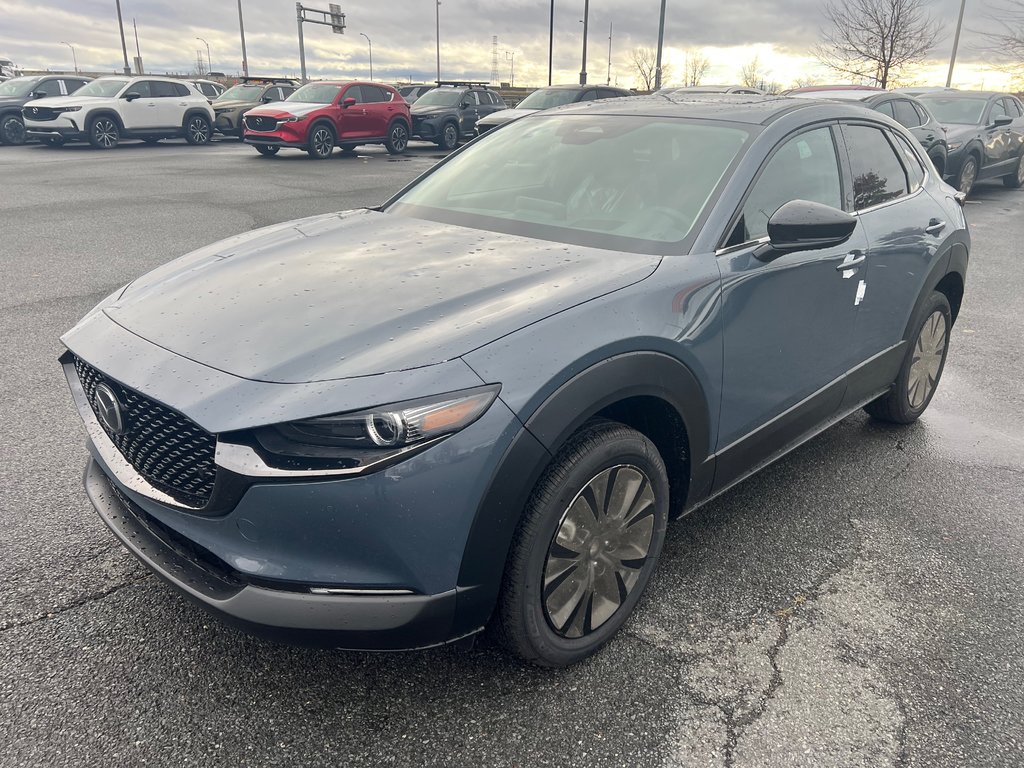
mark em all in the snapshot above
pixel 292 119
pixel 371 436
pixel 67 109
pixel 952 146
pixel 222 110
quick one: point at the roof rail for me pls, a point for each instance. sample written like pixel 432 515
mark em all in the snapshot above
pixel 257 78
pixel 462 83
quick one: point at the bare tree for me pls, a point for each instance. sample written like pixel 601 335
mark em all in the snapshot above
pixel 1007 41
pixel 696 65
pixel 875 40
pixel 750 73
pixel 645 63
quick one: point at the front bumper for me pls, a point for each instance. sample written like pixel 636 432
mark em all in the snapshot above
pixel 426 129
pixel 359 622
pixel 227 122
pixel 61 128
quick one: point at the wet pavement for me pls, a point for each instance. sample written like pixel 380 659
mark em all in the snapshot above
pixel 859 603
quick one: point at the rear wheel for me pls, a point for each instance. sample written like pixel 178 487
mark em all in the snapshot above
pixel 198 130
pixel 587 544
pixel 398 138
pixel 968 175
pixel 922 367
pixel 12 130
pixel 267 150
pixel 321 141
pixel 104 133
pixel 1015 180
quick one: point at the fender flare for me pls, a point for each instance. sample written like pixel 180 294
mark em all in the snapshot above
pixel 102 112
pixel 195 111
pixel 627 375
pixel 954 262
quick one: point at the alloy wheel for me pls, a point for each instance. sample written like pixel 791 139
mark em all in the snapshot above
pixel 399 138
pixel 451 136
pixel 198 130
pixel 598 551
pixel 105 133
pixel 323 142
pixel 12 131
pixel 1020 171
pixel 929 351
pixel 968 175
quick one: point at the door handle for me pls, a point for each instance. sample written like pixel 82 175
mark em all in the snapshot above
pixel 935 227
pixel 850 263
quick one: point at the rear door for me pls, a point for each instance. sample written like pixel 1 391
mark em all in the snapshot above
pixel 788 323
pixel 1014 131
pixel 170 102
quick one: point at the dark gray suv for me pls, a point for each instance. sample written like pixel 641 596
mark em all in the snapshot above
pixel 482 403
pixel 448 113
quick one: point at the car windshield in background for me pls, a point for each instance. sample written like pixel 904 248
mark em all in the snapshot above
pixel 316 93
pixel 623 182
pixel 18 86
pixel 955 110
pixel 546 99
pixel 241 93
pixel 439 97
pixel 105 87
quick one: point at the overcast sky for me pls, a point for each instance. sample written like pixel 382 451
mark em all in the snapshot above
pixel 729 32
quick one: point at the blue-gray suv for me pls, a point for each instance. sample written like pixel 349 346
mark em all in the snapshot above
pixel 481 403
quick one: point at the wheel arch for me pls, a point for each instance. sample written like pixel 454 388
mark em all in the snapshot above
pixel 948 276
pixel 103 112
pixel 193 112
pixel 649 391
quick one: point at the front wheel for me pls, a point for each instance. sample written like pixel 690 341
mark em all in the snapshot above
pixel 1015 180
pixel 922 367
pixel 968 175
pixel 12 130
pixel 449 137
pixel 104 133
pixel 321 142
pixel 586 546
pixel 398 138
pixel 198 130
pixel 267 150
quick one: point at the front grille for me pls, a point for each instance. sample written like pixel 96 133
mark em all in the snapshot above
pixel 173 453
pixel 260 123
pixel 40 113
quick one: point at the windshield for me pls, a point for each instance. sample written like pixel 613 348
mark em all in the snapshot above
pixel 316 93
pixel 611 181
pixel 242 92
pixel 440 97
pixel 102 87
pixel 19 86
pixel 546 99
pixel 957 110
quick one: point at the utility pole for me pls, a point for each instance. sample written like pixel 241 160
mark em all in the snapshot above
pixel 586 24
pixel 124 48
pixel 332 18
pixel 74 58
pixel 370 44
pixel 209 61
pixel 551 42
pixel 437 30
pixel 609 81
pixel 956 43
pixel 661 44
pixel 241 31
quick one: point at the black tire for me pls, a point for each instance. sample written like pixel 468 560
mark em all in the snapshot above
pixel 320 143
pixel 398 137
pixel 526 622
pixel 198 130
pixel 104 132
pixel 1015 180
pixel 267 150
pixel 151 139
pixel 54 141
pixel 967 175
pixel 449 137
pixel 12 130
pixel 904 402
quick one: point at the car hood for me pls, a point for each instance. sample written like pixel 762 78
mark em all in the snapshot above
pixel 429 110
pixel 960 132
pixel 236 104
pixel 296 108
pixel 505 115
pixel 12 101
pixel 360 293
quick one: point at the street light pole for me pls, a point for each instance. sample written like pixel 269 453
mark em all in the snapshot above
pixel 661 44
pixel 609 82
pixel 209 61
pixel 370 44
pixel 124 48
pixel 551 42
pixel 241 31
pixel 437 26
pixel 74 58
pixel 586 24
pixel 956 43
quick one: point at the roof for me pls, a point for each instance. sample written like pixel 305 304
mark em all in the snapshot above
pixel 737 108
pixel 955 94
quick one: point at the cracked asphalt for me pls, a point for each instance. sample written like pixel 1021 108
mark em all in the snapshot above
pixel 858 603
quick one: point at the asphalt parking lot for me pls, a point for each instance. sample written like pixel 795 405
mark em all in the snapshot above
pixel 859 603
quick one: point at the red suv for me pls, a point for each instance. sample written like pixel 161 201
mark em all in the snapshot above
pixel 320 116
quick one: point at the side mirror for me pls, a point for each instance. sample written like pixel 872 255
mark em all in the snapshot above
pixel 801 225
pixel 38 94
pixel 132 96
pixel 464 105
pixel 267 99
pixel 1002 121
pixel 349 102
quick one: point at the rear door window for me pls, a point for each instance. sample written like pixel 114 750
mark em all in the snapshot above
pixel 878 174
pixel 915 171
pixel 373 94
pixel 886 109
pixel 906 115
pixel 161 90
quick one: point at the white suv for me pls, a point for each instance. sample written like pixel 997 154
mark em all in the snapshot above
pixel 111 108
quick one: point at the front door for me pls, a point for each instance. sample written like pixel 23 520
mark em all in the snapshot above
pixel 142 112
pixel 354 122
pixel 788 323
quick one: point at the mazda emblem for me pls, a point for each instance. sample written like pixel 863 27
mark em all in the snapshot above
pixel 108 409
